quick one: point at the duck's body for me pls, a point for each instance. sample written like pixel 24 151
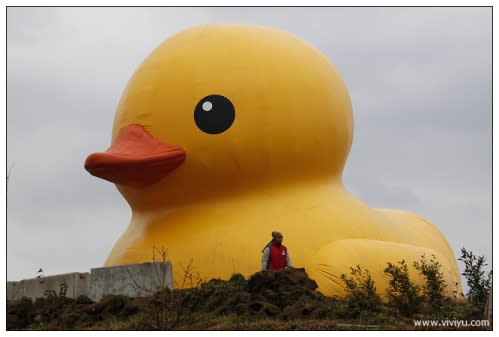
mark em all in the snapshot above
pixel 327 231
pixel 276 165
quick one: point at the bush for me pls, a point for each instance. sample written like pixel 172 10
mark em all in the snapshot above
pixel 24 312
pixel 403 295
pixel 479 284
pixel 361 292
pixel 434 281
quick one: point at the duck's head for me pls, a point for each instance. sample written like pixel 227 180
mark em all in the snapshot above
pixel 225 108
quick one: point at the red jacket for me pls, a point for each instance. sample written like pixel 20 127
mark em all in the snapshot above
pixel 277 257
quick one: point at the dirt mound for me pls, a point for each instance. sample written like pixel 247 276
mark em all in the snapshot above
pixel 284 280
pixel 287 294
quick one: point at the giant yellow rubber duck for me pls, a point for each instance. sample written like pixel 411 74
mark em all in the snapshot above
pixel 226 133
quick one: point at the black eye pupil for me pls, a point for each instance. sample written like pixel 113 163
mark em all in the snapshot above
pixel 214 114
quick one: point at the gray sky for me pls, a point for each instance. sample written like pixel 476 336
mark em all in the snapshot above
pixel 419 80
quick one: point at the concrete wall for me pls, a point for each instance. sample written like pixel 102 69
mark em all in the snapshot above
pixel 131 280
pixel 15 290
pixel 77 284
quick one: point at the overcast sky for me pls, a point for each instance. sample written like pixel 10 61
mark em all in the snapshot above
pixel 419 80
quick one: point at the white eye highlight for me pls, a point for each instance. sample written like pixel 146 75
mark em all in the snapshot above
pixel 207 106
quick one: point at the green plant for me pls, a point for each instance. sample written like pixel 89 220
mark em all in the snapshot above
pixel 433 288
pixel 38 323
pixel 402 293
pixel 360 291
pixel 51 294
pixel 63 288
pixel 479 284
pixel 24 311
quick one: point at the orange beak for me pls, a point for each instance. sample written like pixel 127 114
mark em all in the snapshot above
pixel 135 158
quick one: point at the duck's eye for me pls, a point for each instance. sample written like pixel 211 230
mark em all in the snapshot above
pixel 214 114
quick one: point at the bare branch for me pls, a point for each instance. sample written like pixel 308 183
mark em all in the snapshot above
pixel 138 285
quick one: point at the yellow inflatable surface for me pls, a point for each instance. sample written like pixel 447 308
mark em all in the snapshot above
pixel 226 133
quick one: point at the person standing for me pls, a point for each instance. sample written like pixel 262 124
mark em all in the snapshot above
pixel 275 255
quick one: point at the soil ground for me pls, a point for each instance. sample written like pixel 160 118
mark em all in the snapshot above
pixel 285 300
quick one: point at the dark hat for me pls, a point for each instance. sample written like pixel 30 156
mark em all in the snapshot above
pixel 276 234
